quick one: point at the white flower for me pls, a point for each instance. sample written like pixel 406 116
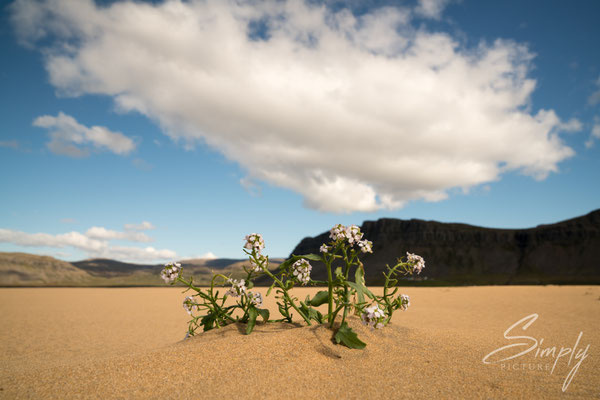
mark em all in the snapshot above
pixel 404 302
pixel 373 316
pixel 170 272
pixel 237 287
pixel 353 234
pixel 189 304
pixel 255 298
pixel 338 232
pixel 256 267
pixel 254 241
pixel 417 261
pixel 366 246
pixel 301 270
pixel 324 248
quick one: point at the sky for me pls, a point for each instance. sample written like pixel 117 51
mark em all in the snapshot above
pixel 166 130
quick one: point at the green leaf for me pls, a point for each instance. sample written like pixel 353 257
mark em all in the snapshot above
pixel 338 272
pixel 316 315
pixel 321 297
pixel 346 336
pixel 361 288
pixel 252 314
pixel 270 288
pixel 264 313
pixel 249 284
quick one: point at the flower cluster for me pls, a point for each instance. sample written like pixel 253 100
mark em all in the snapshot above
pixel 373 316
pixel 403 302
pixel 255 298
pixel 338 232
pixel 170 272
pixel 237 287
pixel 351 234
pixel 417 261
pixel 189 304
pixel 301 270
pixel 256 266
pixel 254 241
pixel 366 246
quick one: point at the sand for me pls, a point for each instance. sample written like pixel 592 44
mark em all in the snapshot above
pixel 127 343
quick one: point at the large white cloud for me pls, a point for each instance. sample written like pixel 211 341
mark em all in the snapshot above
pixel 69 137
pixel 354 113
pixel 95 243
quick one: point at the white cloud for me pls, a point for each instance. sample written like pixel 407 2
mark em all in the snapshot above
pixel 95 243
pixel 98 232
pixel 210 256
pixel 354 113
pixel 70 138
pixel 431 8
pixel 71 239
pixel 137 254
pixel 144 226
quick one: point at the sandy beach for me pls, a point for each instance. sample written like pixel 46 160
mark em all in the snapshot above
pixel 127 343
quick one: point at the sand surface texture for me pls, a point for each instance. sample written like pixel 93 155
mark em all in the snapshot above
pixel 127 343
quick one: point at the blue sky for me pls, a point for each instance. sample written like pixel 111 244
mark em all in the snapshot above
pixel 151 131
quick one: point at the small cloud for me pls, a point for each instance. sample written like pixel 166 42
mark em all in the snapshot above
pixel 141 165
pixel 144 226
pixel 209 256
pixel 70 138
pixel 13 144
pixel 431 8
pixel 68 221
pixel 595 97
pixel 157 142
pixel 571 126
pixel 594 135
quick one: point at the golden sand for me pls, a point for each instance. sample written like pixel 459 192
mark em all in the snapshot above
pixel 127 343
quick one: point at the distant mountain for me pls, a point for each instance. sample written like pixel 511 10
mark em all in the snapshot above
pixel 21 269
pixel 564 252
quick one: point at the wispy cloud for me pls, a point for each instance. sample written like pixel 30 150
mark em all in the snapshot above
pixel 144 226
pixel 141 164
pixel 594 134
pixel 95 242
pixel 356 113
pixel 595 96
pixel 10 143
pixel 70 138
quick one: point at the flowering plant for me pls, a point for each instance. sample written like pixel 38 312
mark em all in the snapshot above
pixel 343 296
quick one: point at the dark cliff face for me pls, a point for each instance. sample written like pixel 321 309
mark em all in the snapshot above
pixel 565 252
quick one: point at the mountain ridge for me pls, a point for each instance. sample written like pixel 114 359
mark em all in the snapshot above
pixel 564 252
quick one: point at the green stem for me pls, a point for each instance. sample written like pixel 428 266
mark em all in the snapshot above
pixel 287 296
pixel 330 294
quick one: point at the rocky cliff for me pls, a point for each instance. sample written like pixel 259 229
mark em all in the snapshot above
pixel 564 252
